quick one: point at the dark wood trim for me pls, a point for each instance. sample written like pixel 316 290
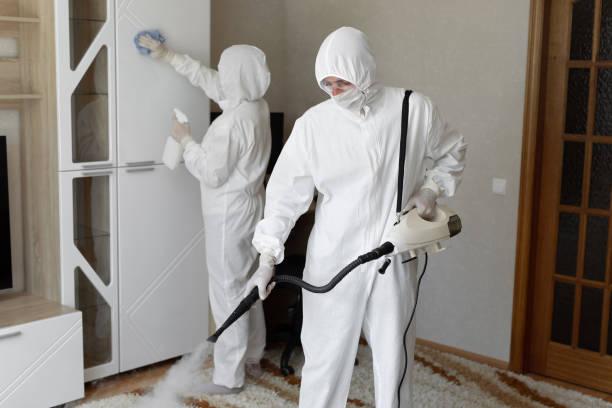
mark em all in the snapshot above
pixel 478 358
pixel 527 195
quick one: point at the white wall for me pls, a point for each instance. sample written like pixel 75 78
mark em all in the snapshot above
pixel 256 22
pixel 470 58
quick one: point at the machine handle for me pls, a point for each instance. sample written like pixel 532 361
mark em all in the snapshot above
pixel 140 170
pixel 96 173
pixel 97 166
pixel 140 163
pixel 9 335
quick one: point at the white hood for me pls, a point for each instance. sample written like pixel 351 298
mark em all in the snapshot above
pixel 244 75
pixel 346 54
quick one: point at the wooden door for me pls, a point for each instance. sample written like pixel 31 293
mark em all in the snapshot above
pixel 571 337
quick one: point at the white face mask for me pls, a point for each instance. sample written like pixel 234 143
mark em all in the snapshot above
pixel 352 100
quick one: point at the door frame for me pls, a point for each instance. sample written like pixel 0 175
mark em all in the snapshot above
pixel 529 189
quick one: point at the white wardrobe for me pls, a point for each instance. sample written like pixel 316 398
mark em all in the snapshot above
pixel 132 253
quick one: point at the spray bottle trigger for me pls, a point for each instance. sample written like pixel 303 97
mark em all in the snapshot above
pixel 384 266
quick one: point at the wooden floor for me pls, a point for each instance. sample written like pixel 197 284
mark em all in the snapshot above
pixel 135 381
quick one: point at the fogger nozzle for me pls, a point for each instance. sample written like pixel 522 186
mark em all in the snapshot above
pixel 241 309
pixel 376 253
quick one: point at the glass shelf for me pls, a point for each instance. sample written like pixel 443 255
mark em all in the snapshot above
pixel 11 19
pixel 17 97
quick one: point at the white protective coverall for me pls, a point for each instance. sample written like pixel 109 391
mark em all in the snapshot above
pixel 351 159
pixel 231 164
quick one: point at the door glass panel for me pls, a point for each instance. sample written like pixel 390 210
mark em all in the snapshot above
pixel 86 19
pixel 582 29
pixel 603 109
pixel 90 139
pixel 577 101
pixel 91 201
pixel 563 313
pixel 567 244
pixel 596 254
pixel 590 318
pixel 605 41
pixel 573 166
pixel 601 176
pixel 97 330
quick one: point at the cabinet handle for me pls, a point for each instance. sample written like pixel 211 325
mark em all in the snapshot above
pixel 96 173
pixel 140 170
pixel 140 163
pixel 97 166
pixel 9 335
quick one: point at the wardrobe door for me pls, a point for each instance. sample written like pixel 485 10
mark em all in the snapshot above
pixel 85 43
pixel 88 242
pixel 149 89
pixel 163 286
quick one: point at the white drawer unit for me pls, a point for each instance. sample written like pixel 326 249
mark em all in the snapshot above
pixel 41 350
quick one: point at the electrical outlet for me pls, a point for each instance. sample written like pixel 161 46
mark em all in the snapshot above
pixel 499 186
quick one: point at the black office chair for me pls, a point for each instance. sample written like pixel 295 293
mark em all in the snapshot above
pixel 284 294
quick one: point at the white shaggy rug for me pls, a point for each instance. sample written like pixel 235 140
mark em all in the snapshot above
pixel 441 380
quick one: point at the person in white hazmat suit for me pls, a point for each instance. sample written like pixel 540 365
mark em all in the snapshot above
pixel 347 149
pixel 230 164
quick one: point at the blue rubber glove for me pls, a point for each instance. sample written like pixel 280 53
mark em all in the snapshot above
pixel 154 34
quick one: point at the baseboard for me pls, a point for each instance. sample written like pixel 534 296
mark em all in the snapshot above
pixel 478 358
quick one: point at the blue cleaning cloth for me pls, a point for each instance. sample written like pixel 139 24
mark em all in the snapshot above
pixel 155 34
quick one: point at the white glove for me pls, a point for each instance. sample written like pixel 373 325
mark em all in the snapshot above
pixel 262 277
pixel 158 50
pixel 425 203
pixel 181 132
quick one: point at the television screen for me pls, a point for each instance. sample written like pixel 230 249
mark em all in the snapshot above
pixel 6 273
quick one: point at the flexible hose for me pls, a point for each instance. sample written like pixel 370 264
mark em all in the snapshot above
pixel 376 253
pixel 253 296
pixel 292 280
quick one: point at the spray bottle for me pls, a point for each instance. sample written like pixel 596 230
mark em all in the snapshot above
pixel 173 151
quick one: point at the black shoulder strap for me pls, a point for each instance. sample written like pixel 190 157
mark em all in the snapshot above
pixel 402 152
